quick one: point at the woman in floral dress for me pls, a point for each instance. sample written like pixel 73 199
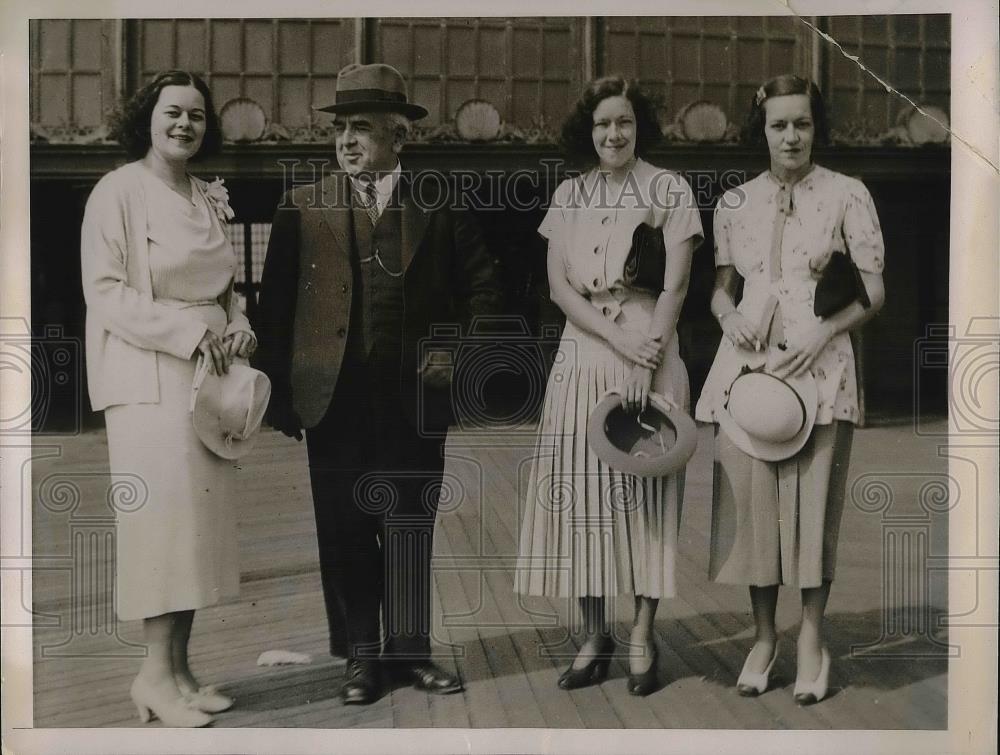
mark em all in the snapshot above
pixel 590 532
pixel 777 523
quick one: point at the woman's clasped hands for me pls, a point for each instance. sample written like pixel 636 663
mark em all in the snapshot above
pixel 800 352
pixel 796 354
pixel 642 349
pixel 645 351
pixel 220 352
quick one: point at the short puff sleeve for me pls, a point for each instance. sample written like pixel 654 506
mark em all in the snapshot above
pixel 862 232
pixel 553 225
pixel 721 234
pixel 683 219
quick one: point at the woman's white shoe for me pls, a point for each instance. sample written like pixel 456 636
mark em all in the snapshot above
pixel 752 683
pixel 807 693
pixel 172 711
pixel 206 699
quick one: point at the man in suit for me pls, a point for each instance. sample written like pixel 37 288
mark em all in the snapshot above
pixel 357 275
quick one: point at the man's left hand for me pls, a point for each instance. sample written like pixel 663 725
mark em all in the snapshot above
pixel 437 369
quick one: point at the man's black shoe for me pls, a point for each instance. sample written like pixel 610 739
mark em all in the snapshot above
pixel 362 682
pixel 428 677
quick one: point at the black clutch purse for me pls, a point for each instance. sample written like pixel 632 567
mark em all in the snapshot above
pixel 646 263
pixel 839 284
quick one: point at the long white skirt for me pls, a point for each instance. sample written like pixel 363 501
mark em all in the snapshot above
pixel 588 530
pixel 176 545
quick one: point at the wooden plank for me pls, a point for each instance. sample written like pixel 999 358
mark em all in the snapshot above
pixel 410 709
pixel 513 689
pixel 481 697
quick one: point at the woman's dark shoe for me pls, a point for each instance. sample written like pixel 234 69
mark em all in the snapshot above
pixel 646 682
pixel 596 670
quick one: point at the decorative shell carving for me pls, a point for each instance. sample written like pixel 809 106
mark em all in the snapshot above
pixel 926 125
pixel 242 120
pixel 702 121
pixel 477 121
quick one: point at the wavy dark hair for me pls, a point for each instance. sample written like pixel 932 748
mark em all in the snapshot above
pixel 577 131
pixel 779 86
pixel 130 127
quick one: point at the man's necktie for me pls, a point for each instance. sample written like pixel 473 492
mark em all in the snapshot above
pixel 369 201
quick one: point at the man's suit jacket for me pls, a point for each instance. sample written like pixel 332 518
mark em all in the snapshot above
pixel 304 314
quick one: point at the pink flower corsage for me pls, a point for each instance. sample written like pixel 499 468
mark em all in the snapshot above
pixel 218 196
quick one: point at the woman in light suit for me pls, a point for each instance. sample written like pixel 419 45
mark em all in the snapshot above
pixel 158 281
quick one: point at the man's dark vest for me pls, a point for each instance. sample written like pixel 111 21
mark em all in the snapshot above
pixel 378 340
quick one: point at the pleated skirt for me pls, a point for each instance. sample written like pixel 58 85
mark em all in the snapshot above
pixel 778 523
pixel 587 529
pixel 176 529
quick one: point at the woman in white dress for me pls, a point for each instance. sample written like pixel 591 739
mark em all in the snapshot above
pixel 777 523
pixel 158 281
pixel 590 532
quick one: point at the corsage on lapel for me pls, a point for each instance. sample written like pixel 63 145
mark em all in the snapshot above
pixel 218 198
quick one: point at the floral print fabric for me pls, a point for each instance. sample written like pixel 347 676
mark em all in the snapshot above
pixel 825 212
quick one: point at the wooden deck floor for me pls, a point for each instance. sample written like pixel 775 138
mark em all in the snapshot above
pixel 508 650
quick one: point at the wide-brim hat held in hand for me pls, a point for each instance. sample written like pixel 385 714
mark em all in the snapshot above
pixel 768 417
pixel 656 442
pixel 374 88
pixel 227 410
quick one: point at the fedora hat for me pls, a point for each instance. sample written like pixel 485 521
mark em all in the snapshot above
pixel 372 88
pixel 655 443
pixel 226 410
pixel 768 417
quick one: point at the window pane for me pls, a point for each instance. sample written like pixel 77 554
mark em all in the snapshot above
pixel 259 47
pixel 55 44
pixel 293 47
pixel 87 40
pixel 157 46
pixel 191 46
pixel 227 47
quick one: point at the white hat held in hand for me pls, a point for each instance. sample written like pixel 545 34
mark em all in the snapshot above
pixel 768 417
pixel 227 410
